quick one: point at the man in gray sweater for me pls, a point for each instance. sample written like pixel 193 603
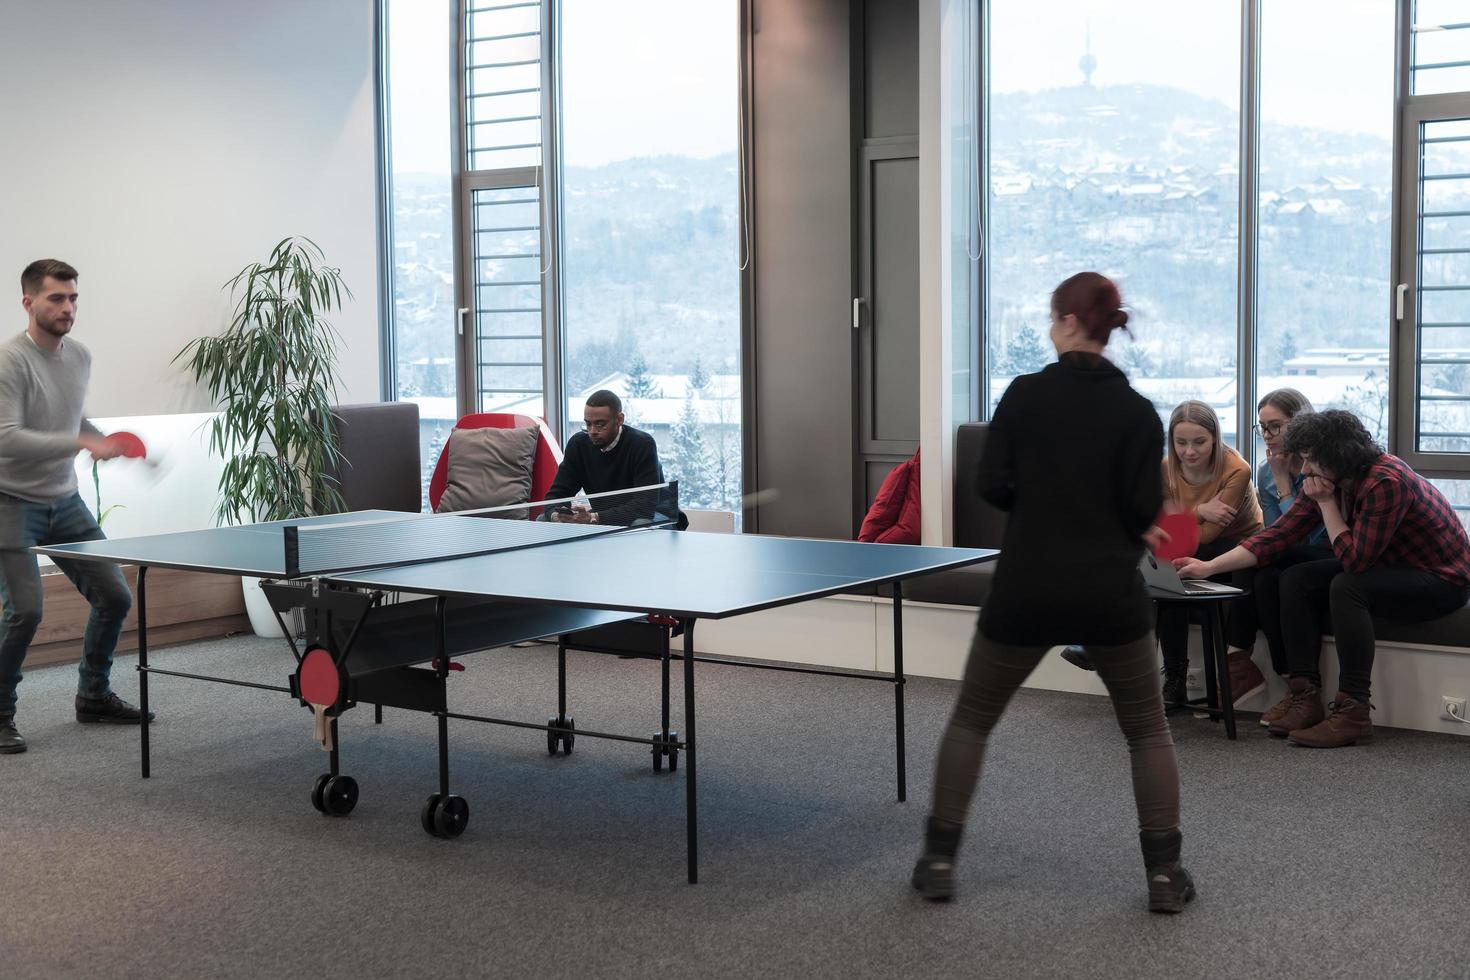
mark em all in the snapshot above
pixel 43 383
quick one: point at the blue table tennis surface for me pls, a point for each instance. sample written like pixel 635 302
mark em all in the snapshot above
pixel 640 570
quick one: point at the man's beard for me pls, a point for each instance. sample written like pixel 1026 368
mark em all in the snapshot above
pixel 56 326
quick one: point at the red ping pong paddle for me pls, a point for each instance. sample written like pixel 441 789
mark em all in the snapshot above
pixel 320 685
pixel 132 447
pixel 319 681
pixel 1183 531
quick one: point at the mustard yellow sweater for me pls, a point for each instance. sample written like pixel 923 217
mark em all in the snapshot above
pixel 1234 487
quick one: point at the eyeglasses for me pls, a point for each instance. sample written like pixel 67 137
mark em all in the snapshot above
pixel 1269 429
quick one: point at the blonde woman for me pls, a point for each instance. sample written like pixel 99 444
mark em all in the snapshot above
pixel 1207 478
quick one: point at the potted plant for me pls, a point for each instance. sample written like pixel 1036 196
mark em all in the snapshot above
pixel 273 373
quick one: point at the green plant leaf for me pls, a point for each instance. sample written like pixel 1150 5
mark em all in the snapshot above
pixel 273 372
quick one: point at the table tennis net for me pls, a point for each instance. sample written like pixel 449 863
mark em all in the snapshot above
pixel 324 549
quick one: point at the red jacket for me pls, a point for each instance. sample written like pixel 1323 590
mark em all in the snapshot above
pixel 894 516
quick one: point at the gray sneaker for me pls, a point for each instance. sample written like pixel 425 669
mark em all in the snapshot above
pixel 11 741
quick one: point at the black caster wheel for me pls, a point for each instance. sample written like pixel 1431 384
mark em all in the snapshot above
pixel 427 814
pixel 673 760
pixel 658 755
pixel 318 802
pixel 561 733
pixel 339 796
pixel 451 817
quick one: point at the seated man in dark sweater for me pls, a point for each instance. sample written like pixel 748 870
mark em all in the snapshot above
pixel 607 456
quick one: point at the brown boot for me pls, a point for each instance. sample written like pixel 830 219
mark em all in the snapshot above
pixel 1246 678
pixel 1275 713
pixel 1304 710
pixel 1347 722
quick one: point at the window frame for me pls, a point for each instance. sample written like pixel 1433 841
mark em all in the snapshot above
pixel 1400 334
pixel 545 177
pixel 1404 356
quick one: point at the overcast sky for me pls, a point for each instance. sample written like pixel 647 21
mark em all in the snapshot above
pixel 1326 63
pixel 644 77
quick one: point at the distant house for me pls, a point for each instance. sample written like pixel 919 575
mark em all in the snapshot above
pixel 1339 362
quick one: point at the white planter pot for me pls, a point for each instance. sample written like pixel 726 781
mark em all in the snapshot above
pixel 258 608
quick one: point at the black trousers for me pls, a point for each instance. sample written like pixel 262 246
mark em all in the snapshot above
pixel 1172 624
pixel 1312 594
pixel 1264 583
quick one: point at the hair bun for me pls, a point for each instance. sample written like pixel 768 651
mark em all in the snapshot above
pixel 1119 320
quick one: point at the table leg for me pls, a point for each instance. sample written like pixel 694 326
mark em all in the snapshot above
pixel 561 679
pixel 1212 667
pixel 1222 666
pixel 691 797
pixel 441 655
pixel 143 663
pixel 898 685
pixel 663 645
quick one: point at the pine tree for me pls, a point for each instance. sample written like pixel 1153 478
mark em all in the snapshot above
pixel 699 378
pixel 689 458
pixel 1286 350
pixel 640 383
pixel 1025 353
pixel 1136 362
pixel 725 450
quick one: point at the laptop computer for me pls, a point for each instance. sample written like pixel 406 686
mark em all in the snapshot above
pixel 1162 576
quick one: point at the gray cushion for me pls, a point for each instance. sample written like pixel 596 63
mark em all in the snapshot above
pixel 379 443
pixel 489 468
pixel 976 523
pixel 968 586
pixel 1447 631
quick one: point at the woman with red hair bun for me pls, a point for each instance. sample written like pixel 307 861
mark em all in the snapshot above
pixel 1073 455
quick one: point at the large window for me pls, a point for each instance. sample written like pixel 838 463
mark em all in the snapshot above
pixel 505 199
pixel 1432 407
pixel 1325 204
pixel 421 214
pixel 1114 146
pixel 650 228
pixel 1240 192
pixel 566 208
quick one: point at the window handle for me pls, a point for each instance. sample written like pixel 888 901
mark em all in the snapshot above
pixel 857 313
pixel 464 311
pixel 1400 292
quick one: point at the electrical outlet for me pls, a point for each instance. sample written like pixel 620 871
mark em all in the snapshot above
pixel 1458 704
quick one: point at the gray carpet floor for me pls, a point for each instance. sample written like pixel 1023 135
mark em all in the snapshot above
pixel 1347 863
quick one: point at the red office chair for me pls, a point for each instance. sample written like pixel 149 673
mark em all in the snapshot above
pixel 543 468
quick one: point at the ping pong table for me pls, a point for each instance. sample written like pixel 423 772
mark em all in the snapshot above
pixel 483 584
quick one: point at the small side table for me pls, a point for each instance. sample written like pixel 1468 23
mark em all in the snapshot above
pixel 1219 700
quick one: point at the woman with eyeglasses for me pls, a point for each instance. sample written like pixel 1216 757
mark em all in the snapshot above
pixel 1205 477
pixel 1072 456
pixel 1279 481
pixel 1279 477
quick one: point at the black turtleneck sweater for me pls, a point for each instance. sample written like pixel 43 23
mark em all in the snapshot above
pixel 1073 455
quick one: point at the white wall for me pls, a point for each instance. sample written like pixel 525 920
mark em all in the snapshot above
pixel 161 145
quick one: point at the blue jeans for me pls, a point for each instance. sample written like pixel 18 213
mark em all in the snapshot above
pixel 23 525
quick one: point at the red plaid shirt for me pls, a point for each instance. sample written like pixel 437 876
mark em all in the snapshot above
pixel 1395 518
